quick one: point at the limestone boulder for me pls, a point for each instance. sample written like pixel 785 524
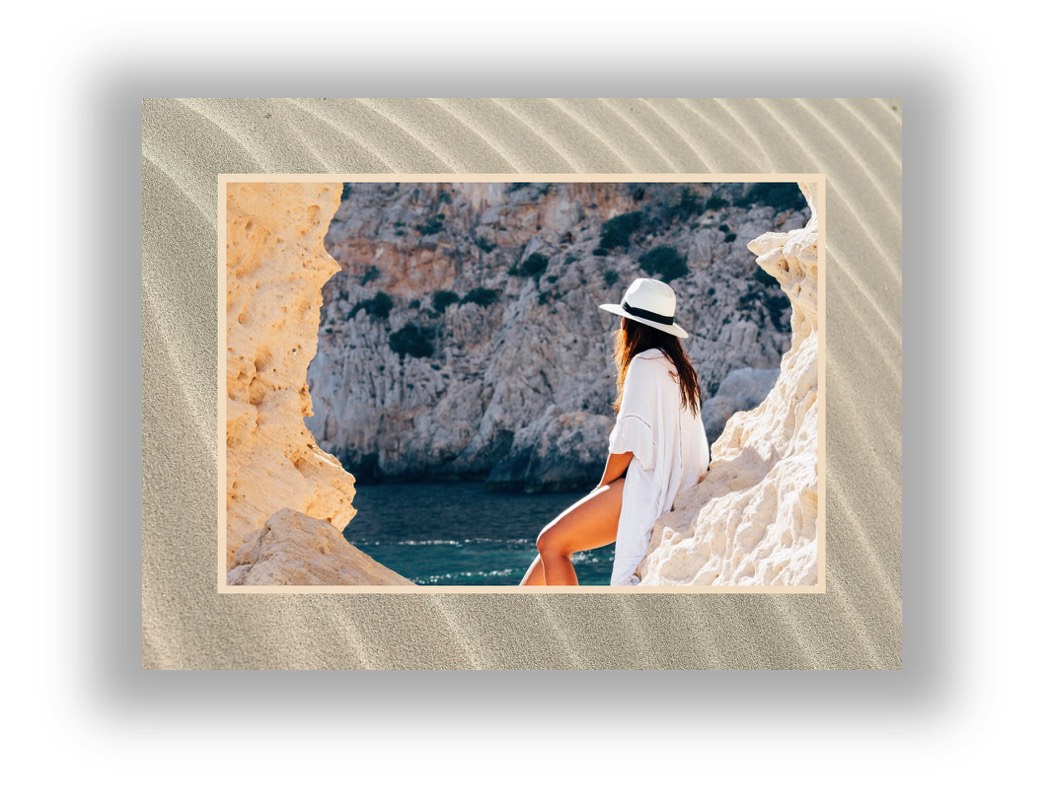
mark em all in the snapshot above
pixel 295 549
pixel 276 267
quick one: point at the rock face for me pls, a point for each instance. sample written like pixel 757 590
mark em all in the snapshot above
pixel 741 390
pixel 296 549
pixel 276 266
pixel 463 336
pixel 752 519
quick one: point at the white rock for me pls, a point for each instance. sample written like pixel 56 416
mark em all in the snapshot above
pixel 752 519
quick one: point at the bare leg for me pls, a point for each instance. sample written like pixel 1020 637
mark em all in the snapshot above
pixel 588 524
pixel 535 574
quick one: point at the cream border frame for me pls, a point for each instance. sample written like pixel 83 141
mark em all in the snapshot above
pixel 224 179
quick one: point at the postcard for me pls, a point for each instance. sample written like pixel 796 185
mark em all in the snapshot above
pixel 522 384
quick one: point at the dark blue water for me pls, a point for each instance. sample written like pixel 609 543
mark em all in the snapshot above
pixel 461 533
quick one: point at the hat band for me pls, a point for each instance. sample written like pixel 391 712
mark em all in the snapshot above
pixel 645 315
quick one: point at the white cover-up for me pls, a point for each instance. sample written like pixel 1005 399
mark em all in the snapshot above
pixel 670 454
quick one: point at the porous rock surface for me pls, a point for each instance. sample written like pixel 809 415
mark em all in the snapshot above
pixel 276 267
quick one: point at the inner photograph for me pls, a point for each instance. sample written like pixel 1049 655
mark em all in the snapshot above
pixel 489 384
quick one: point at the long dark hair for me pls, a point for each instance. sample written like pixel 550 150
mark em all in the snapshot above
pixel 633 338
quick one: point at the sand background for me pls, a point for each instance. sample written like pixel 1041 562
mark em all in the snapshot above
pixel 856 624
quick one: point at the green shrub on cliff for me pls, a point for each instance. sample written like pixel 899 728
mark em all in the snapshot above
pixel 480 296
pixel 617 231
pixel 534 264
pixel 715 202
pixel 411 340
pixel 665 262
pixel 691 203
pixel 432 226
pixel 442 299
pixel 777 195
pixel 378 307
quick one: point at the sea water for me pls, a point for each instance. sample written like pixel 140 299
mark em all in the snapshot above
pixel 462 533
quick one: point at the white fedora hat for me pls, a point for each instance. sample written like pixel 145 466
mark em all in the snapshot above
pixel 650 302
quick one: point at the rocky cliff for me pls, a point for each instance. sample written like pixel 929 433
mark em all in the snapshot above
pixel 752 519
pixel 276 266
pixel 462 336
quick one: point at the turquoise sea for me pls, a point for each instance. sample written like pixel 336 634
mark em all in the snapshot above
pixel 462 533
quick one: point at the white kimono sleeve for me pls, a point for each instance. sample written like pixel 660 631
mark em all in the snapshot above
pixel 634 432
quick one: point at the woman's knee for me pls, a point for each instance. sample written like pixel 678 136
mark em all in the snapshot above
pixel 548 541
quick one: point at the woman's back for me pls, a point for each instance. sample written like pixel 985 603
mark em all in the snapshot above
pixel 670 453
pixel 682 449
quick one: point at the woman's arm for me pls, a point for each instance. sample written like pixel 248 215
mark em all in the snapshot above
pixel 616 466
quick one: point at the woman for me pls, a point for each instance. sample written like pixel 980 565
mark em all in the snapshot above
pixel 658 447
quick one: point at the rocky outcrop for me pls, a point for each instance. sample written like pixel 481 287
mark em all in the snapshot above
pixel 742 390
pixel 463 335
pixel 276 266
pixel 752 519
pixel 296 549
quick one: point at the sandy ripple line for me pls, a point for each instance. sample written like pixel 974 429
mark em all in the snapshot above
pixel 691 144
pixel 632 124
pixel 304 134
pixel 856 624
pixel 870 127
pixel 569 160
pixel 202 111
pixel 843 398
pixel 358 140
pixel 589 132
pixel 836 190
pixel 768 162
pixel 872 348
pixel 713 127
pixel 864 166
pixel 457 111
pixel 475 130
pixel 784 610
pixel 205 425
pixel 339 625
pixel 177 278
pixel 854 420
pixel 836 258
pixel 893 597
pixel 456 632
pixel 207 215
pixel 545 607
pixel 383 110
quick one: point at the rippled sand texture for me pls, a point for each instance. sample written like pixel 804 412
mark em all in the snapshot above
pixel 855 624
